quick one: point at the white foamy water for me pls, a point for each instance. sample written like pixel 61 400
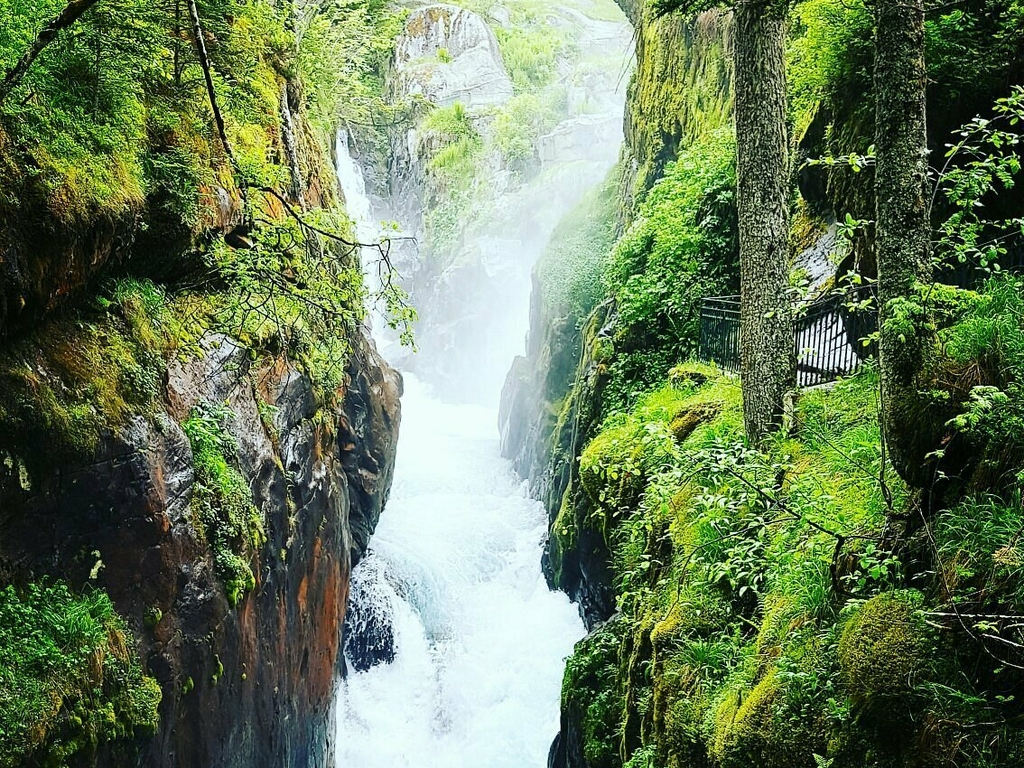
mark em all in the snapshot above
pixel 480 640
pixel 353 184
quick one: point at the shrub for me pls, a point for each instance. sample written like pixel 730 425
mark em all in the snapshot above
pixel 70 679
pixel 682 248
pixel 569 272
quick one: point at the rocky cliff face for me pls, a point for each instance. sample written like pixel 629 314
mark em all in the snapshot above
pixel 448 55
pixel 500 212
pixel 243 685
pixel 682 89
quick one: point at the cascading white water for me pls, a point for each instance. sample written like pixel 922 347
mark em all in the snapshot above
pixel 353 184
pixel 480 640
pixel 454 575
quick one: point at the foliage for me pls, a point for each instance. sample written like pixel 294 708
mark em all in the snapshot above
pixel 297 293
pixel 520 124
pixel 222 503
pixel 531 47
pixel 830 50
pixel 69 679
pixel 455 148
pixel 982 164
pixel 570 269
pixel 711 540
pixel 681 249
pixel 344 48
pixel 456 145
pixel 590 685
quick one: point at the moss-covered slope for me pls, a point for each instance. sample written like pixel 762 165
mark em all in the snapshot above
pixel 196 438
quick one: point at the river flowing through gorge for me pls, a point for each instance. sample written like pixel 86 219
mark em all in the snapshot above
pixel 455 643
pixel 479 639
pixel 470 639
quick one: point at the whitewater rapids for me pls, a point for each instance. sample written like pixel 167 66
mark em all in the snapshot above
pixel 480 640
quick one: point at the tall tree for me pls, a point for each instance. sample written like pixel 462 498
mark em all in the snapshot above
pixel 903 228
pixel 767 330
pixel 767 327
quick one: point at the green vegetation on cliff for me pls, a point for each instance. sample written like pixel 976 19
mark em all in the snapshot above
pixel 681 248
pixel 222 505
pixel 771 613
pixel 160 198
pixel 70 678
pixel 801 605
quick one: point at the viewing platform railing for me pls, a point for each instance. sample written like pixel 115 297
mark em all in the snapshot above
pixel 831 331
pixel 829 337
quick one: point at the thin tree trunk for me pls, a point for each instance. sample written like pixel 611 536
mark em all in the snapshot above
pixel 218 118
pixel 901 181
pixel 767 335
pixel 71 13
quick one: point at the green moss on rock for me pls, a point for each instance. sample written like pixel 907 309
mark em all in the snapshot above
pixel 82 376
pixel 884 647
pixel 593 697
pixel 70 679
pixel 222 503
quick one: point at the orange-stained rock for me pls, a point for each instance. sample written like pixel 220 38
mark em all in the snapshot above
pixel 280 647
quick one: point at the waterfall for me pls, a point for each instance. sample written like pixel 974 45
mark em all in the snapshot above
pixel 368 231
pixel 455 644
pixel 353 185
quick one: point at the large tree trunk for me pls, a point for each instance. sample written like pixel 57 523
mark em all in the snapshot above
pixel 767 335
pixel 71 13
pixel 903 231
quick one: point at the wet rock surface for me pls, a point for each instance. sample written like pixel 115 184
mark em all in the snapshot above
pixel 369 624
pixel 253 684
pixel 449 54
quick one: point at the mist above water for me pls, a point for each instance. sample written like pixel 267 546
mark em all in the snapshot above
pixel 456 644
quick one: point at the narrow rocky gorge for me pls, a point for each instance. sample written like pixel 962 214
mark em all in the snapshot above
pixel 364 391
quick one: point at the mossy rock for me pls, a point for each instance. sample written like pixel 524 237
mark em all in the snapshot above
pixel 682 743
pixel 699 612
pixel 885 647
pixel 592 696
pixel 757 729
pixel 611 468
pixel 686 421
pixel 744 726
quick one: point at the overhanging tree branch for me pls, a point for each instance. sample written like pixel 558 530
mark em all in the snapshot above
pixel 218 117
pixel 71 13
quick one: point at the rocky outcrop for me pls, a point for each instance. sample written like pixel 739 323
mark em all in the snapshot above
pixel 251 684
pixel 449 54
pixel 681 89
pixel 546 422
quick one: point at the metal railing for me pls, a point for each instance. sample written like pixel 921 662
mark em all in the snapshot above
pixel 830 332
pixel 720 332
pixel 829 337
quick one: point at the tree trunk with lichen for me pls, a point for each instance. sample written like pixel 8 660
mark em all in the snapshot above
pixel 903 231
pixel 767 333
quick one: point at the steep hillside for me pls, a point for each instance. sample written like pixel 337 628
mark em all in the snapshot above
pixel 792 606
pixel 196 436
